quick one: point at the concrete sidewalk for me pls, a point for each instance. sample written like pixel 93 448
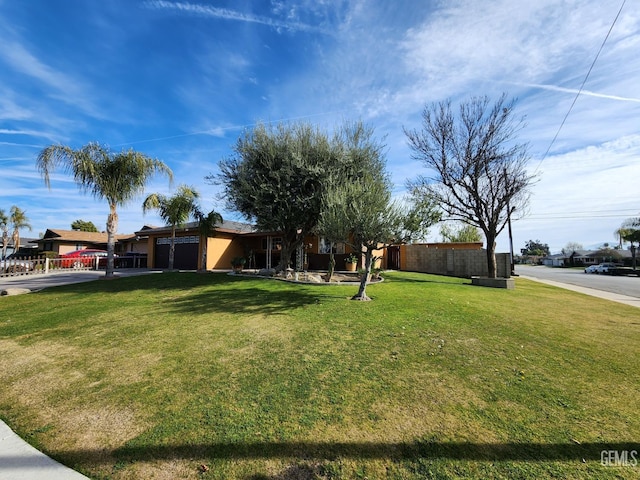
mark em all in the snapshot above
pixel 614 297
pixel 20 461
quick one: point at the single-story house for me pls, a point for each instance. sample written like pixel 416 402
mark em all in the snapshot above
pixel 588 257
pixel 556 260
pixel 234 239
pixel 262 250
pixel 26 247
pixel 65 241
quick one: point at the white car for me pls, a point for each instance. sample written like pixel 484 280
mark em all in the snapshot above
pixel 15 265
pixel 606 267
pixel 591 269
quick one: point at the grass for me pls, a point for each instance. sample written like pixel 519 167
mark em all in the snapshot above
pixel 165 376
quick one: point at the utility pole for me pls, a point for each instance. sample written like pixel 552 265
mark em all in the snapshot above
pixel 513 265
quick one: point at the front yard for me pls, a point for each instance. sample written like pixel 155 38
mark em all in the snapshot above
pixel 184 375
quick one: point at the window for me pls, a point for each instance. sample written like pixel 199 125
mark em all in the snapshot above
pixel 179 240
pixel 324 246
pixel 276 243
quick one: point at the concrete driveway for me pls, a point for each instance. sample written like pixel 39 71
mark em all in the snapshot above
pixel 37 282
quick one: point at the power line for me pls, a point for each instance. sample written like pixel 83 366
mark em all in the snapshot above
pixel 555 137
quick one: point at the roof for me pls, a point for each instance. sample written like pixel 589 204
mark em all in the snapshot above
pixel 227 226
pixel 24 242
pixel 77 236
pixel 623 253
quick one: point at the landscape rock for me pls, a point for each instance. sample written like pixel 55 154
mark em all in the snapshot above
pixel 14 291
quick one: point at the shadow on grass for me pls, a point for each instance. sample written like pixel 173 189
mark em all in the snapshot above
pixel 377 450
pixel 245 299
pixel 195 293
pixel 417 277
pixel 528 452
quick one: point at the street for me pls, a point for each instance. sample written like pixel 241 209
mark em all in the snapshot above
pixel 629 286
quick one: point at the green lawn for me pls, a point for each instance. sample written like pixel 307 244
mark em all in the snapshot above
pixel 156 376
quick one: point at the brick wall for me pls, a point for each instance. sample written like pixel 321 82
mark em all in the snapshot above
pixel 454 262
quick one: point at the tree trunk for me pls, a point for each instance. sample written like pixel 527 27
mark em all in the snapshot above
pixel 172 247
pixel 289 245
pixel 112 227
pixel 203 260
pixel 5 242
pixel 16 240
pixel 362 291
pixel 492 267
pixel 332 263
pixel 285 257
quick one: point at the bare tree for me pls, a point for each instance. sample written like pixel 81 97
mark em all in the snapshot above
pixel 479 169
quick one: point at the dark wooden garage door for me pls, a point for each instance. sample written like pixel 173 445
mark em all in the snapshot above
pixel 185 257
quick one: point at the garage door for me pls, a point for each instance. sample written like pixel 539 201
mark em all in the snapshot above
pixel 186 253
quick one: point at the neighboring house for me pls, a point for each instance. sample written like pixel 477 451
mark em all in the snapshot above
pixel 556 260
pixel 582 257
pixel 65 241
pixel 587 257
pixel 26 247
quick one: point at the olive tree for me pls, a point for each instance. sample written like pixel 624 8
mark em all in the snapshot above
pixel 359 211
pixel 275 179
pixel 477 168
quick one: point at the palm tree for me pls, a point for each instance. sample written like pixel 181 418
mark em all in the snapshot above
pixel 207 226
pixel 4 225
pixel 629 231
pixel 174 210
pixel 18 220
pixel 114 177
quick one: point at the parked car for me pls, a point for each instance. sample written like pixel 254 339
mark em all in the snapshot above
pixel 82 258
pixel 15 263
pixel 606 267
pixel 591 269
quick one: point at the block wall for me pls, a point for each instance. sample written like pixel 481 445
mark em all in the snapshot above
pixel 452 262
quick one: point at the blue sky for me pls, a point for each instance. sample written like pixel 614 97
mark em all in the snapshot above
pixel 180 81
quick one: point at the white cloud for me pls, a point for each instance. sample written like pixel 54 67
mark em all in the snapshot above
pixel 226 14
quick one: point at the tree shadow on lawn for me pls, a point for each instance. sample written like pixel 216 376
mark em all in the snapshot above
pixel 430 278
pixel 527 452
pixel 246 299
pixel 210 293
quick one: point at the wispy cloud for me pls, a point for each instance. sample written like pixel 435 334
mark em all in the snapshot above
pixel 226 14
pixel 576 91
pixel 60 86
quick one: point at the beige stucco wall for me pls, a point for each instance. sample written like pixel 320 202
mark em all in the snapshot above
pixel 220 252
